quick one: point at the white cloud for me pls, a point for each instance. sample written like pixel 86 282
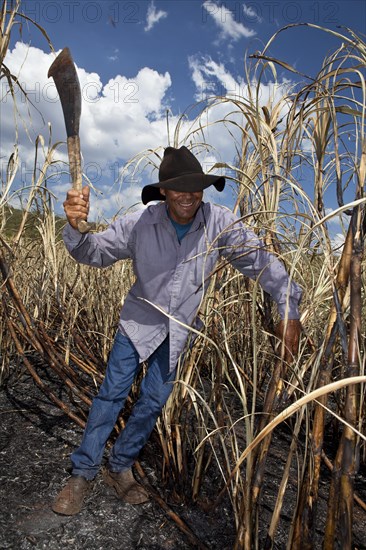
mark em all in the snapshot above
pixel 339 220
pixel 222 123
pixel 225 20
pixel 211 78
pixel 114 56
pixel 251 13
pixel 111 199
pixel 153 16
pixel 338 243
pixel 118 119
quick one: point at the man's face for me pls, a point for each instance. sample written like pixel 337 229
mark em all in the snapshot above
pixel 182 206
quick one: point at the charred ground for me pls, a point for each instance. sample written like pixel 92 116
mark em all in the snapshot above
pixel 36 440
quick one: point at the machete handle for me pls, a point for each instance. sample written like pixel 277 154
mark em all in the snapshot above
pixel 83 226
pixel 73 149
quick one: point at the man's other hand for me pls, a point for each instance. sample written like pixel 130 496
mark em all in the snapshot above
pixel 289 333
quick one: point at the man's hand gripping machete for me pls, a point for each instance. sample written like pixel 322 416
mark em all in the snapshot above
pixel 66 79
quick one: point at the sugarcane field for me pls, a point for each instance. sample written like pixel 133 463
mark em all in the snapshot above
pixel 259 436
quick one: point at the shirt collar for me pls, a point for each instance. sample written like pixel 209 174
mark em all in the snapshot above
pixel 157 214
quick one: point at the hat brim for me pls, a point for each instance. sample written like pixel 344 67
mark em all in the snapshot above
pixel 187 183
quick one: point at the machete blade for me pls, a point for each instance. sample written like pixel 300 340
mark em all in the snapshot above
pixel 67 83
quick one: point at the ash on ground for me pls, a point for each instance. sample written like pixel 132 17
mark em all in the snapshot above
pixel 36 440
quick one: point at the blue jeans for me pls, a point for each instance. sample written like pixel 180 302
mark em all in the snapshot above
pixel 156 386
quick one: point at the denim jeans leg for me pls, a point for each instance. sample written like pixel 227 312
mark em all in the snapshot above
pixel 156 387
pixel 123 366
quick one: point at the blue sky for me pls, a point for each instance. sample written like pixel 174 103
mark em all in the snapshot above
pixel 138 59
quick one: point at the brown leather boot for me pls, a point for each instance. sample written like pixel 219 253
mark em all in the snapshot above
pixel 71 498
pixel 126 486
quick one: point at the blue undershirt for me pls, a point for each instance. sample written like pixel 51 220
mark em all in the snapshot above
pixel 180 229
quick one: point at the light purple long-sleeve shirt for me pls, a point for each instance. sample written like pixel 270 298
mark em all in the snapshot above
pixel 171 277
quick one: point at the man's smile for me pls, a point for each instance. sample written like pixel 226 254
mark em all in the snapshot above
pixel 182 206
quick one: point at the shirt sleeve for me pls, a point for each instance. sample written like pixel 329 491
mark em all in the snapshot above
pixel 247 253
pixel 101 249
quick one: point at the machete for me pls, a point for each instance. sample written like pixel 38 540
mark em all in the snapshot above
pixel 67 84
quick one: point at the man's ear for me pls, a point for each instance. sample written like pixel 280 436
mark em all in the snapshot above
pixel 162 191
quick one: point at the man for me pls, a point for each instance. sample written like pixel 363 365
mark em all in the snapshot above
pixel 174 246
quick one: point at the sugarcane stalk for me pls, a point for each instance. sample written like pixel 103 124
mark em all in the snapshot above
pixel 194 540
pixel 39 339
pixel 349 437
pixel 358 500
pixel 270 404
pixel 216 395
pixel 304 521
pixel 44 388
pixel 243 540
pixel 48 355
pixel 281 492
pixel 247 529
pixel 17 301
pixel 166 470
pixel 87 352
pixel 340 512
pixel 272 396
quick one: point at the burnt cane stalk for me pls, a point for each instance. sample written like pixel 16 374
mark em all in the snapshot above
pixel 305 519
pixel 340 513
pixel 272 400
pixel 340 510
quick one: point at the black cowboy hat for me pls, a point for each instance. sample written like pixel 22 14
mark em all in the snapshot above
pixel 180 171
